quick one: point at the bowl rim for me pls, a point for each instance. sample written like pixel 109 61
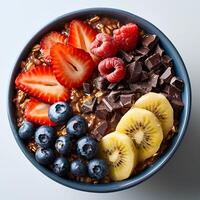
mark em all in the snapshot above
pixel 114 186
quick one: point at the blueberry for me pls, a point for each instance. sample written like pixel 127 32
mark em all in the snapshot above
pixel 60 112
pixel 97 168
pixel 45 136
pixel 63 144
pixel 87 147
pixel 78 168
pixel 60 166
pixel 77 126
pixel 26 131
pixel 44 156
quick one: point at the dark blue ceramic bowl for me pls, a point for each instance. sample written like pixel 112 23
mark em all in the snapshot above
pixel 180 71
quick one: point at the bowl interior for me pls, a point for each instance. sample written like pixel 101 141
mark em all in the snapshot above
pixel 180 70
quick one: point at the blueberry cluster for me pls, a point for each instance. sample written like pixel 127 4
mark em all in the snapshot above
pixel 53 151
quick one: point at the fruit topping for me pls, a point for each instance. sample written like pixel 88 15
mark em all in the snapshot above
pixel 81 35
pixel 143 127
pixel 45 136
pixel 37 112
pixel 160 106
pixel 103 46
pixel 48 41
pixel 63 144
pixel 60 166
pixel 77 126
pixel 26 131
pixel 97 169
pixel 44 156
pixel 78 168
pixel 127 36
pixel 71 66
pixel 113 69
pixel 41 83
pixel 60 112
pixel 120 153
pixel 87 147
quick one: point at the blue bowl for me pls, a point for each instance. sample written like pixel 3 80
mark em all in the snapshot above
pixel 180 70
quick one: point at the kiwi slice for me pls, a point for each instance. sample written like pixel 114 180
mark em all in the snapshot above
pixel 120 153
pixel 143 127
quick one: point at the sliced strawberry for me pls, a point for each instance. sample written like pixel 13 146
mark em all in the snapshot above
pixel 40 82
pixel 48 41
pixel 37 112
pixel 81 35
pixel 71 66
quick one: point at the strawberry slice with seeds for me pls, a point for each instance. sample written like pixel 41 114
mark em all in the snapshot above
pixel 71 66
pixel 37 112
pixel 40 82
pixel 48 41
pixel 81 35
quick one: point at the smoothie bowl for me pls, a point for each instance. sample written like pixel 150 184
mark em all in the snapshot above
pixel 99 100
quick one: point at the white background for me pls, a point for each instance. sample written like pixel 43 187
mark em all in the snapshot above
pixel 179 20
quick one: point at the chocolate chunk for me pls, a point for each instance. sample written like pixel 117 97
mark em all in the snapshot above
pixel 142 51
pixel 126 99
pixel 88 106
pixel 139 58
pixel 159 50
pixel 101 83
pixel 102 111
pixel 172 92
pixel 177 105
pixel 87 88
pixel 143 87
pixel 149 41
pixel 114 120
pixel 177 82
pixel 114 96
pixel 112 105
pixel 112 86
pixel 167 75
pixel 134 71
pixel 144 76
pixel 166 61
pixel 153 61
pixel 101 128
pixel 153 80
pixel 128 57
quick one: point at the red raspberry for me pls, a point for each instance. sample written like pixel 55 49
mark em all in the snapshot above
pixel 113 69
pixel 127 36
pixel 103 46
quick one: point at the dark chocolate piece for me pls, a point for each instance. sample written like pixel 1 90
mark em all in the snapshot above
pixel 114 96
pixel 159 50
pixel 88 106
pixel 102 111
pixel 114 120
pixel 128 57
pixel 144 76
pixel 126 99
pixel 149 41
pixel 143 87
pixel 166 61
pixel 177 82
pixel 177 105
pixel 142 51
pixel 134 71
pixel 153 81
pixel 172 92
pixel 139 57
pixel 112 105
pixel 153 61
pixel 101 83
pixel 87 88
pixel 167 75
pixel 101 128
